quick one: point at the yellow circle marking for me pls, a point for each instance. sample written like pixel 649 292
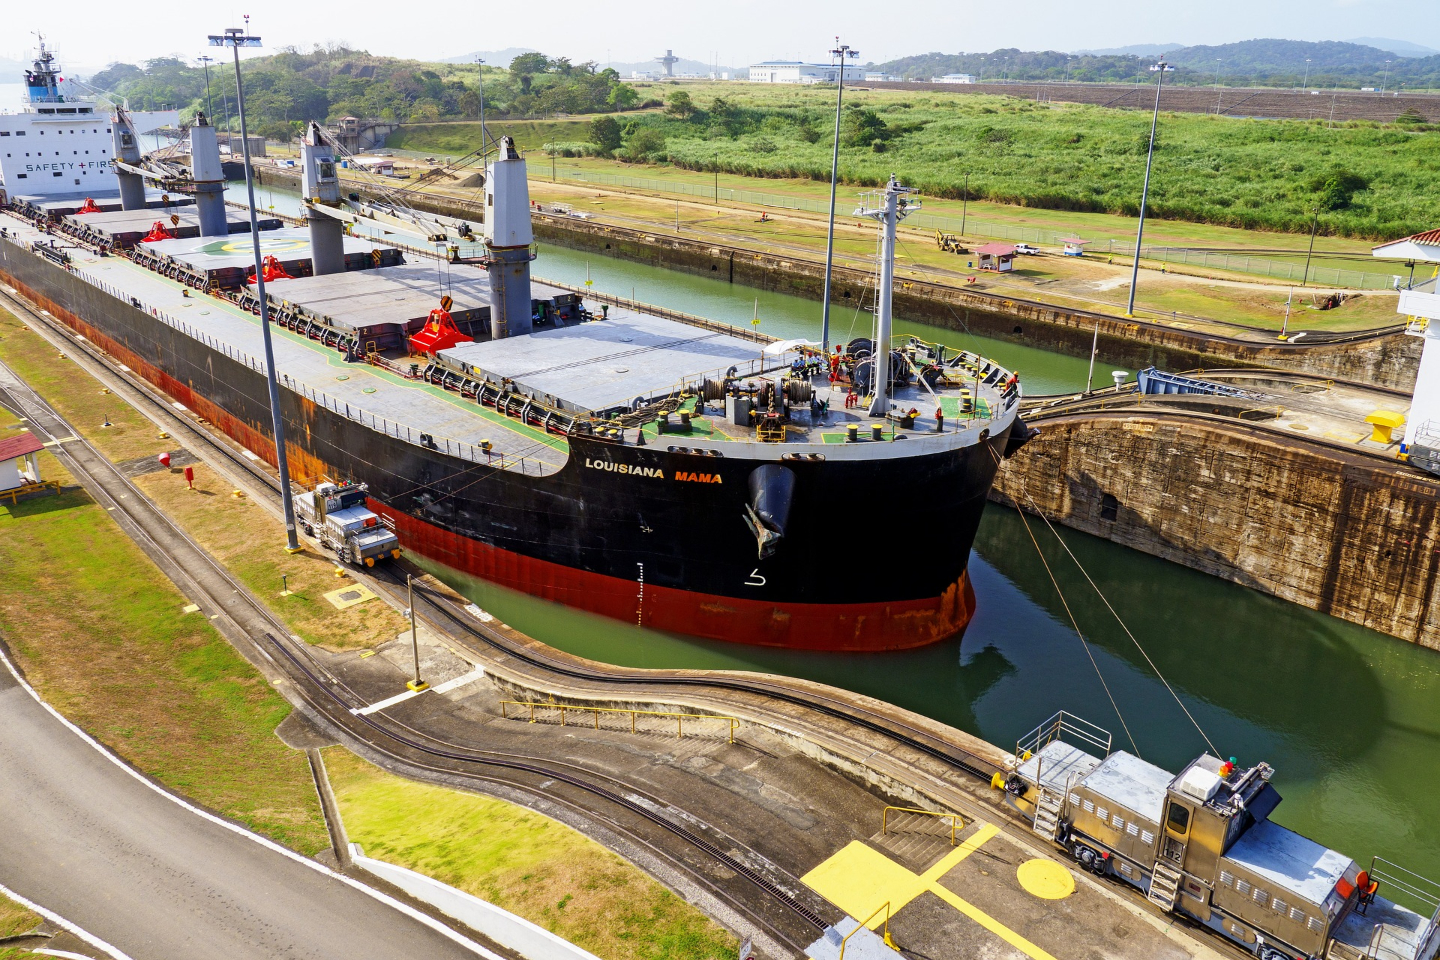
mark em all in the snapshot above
pixel 1046 879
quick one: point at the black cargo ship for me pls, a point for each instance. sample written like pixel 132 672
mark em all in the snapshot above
pixel 667 471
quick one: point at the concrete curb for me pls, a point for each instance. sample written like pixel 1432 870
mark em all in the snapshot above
pixel 505 928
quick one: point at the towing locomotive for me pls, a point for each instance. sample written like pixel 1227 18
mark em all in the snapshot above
pixel 1200 843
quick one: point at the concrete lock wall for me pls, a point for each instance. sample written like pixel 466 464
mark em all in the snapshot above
pixel 1335 531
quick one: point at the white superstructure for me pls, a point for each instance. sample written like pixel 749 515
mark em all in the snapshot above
pixel 58 144
pixel 1420 304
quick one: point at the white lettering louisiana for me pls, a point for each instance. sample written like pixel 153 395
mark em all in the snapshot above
pixel 631 469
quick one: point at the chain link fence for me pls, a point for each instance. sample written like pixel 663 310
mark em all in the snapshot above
pixel 1279 269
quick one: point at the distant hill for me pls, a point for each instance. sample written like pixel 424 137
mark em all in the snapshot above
pixel 10 70
pixel 1135 50
pixel 1402 47
pixel 1281 62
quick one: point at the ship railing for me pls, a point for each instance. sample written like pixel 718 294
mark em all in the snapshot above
pixel 400 431
pixel 1066 727
pixel 654 310
pixel 525 709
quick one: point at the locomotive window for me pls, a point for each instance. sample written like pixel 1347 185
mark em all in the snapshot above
pixel 1178 818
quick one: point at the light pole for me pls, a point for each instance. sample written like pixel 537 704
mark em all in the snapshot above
pixel 964 204
pixel 1385 78
pixel 982 68
pixel 1305 84
pixel 1218 94
pixel 1159 69
pixel 209 110
pixel 417 684
pixel 484 142
pixel 1005 71
pixel 1313 227
pixel 1067 68
pixel 841 52
pixel 235 38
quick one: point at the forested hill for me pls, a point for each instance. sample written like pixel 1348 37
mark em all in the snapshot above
pixel 1280 62
pixel 287 89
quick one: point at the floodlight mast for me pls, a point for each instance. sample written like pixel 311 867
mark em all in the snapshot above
pixel 235 38
pixel 841 52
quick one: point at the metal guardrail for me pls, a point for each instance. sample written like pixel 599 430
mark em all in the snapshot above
pixel 864 924
pixel 563 708
pixel 1058 727
pixel 957 823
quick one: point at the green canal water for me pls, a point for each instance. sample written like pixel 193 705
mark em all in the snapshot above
pixel 1349 718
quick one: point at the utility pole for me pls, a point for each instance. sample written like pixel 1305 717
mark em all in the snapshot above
pixel 235 38
pixel 1218 94
pixel 417 684
pixel 1305 84
pixel 484 137
pixel 1385 79
pixel 841 53
pixel 1160 69
pixel 1313 227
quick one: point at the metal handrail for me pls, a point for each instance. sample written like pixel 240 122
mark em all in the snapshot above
pixel 864 924
pixel 680 718
pixel 1056 728
pixel 956 821
pixel 1422 889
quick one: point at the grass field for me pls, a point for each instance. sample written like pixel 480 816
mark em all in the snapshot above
pixel 101 633
pixel 15 920
pixel 1235 172
pixel 211 516
pixel 524 862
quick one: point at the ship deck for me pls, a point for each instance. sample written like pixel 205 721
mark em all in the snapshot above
pixel 406 407
pixel 664 353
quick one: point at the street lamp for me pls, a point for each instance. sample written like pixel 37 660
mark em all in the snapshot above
pixel 1313 228
pixel 1218 61
pixel 1306 82
pixel 982 68
pixel 209 110
pixel 1159 69
pixel 235 38
pixel 1385 78
pixel 1067 68
pixel 841 53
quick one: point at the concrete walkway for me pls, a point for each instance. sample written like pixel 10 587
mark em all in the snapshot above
pixel 90 840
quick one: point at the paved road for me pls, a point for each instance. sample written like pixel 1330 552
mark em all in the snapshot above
pixel 88 840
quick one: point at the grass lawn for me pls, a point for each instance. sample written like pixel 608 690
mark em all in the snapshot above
pixel 524 862
pixel 14 921
pixel 101 634
pixel 239 533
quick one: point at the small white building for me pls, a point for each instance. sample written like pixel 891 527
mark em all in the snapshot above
pixel 18 463
pixel 794 71
pixel 883 78
pixel 954 78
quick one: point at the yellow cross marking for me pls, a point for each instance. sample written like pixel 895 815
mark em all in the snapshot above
pixel 859 879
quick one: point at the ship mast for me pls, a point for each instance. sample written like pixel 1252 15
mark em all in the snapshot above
pixel 893 206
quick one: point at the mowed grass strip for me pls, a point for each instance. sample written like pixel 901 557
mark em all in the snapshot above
pixel 100 632
pixel 237 532
pixel 523 862
pixel 15 921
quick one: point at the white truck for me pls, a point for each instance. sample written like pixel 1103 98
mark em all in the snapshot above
pixel 336 516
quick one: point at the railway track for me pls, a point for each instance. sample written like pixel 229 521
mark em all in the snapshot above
pixel 206 582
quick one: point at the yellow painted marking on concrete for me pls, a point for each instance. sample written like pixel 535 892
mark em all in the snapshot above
pixel 1045 879
pixel 367 653
pixel 190 608
pixel 859 880
pixel 349 596
pixel 991 924
pixel 1346 436
pixel 952 859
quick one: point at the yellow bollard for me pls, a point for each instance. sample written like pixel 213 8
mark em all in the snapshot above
pixel 237 494
pixel 339 571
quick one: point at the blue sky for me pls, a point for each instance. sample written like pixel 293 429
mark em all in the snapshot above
pixel 89 33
